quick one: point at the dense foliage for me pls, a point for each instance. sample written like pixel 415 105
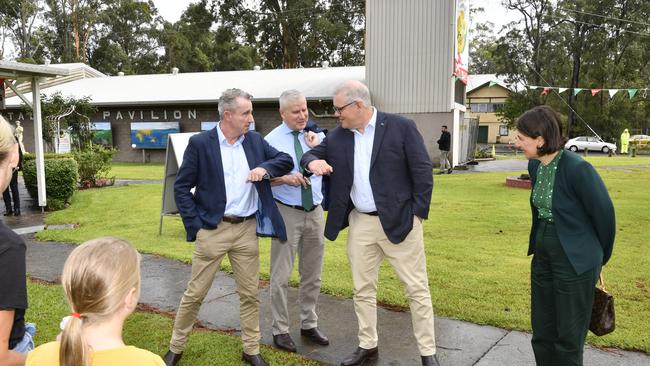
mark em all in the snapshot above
pixel 130 36
pixel 595 44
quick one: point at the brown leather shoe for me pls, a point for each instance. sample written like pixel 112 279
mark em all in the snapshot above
pixel 171 358
pixel 315 335
pixel 360 356
pixel 284 341
pixel 253 360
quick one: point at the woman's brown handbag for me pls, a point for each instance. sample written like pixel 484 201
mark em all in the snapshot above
pixel 602 313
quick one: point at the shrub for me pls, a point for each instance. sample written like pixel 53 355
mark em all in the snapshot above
pixel 94 164
pixel 47 156
pixel 60 180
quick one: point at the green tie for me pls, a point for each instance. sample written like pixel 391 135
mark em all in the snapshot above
pixel 307 200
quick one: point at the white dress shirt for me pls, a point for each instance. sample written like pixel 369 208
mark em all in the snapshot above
pixel 361 192
pixel 241 196
pixel 281 138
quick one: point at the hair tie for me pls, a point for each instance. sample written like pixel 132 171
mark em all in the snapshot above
pixel 75 315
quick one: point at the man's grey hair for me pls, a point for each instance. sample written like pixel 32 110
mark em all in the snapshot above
pixel 288 96
pixel 228 100
pixel 354 90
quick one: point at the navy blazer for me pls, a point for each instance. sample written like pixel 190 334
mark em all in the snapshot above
pixel 202 168
pixel 582 211
pixel 400 175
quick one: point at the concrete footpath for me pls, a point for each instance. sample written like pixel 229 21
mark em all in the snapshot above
pixel 459 343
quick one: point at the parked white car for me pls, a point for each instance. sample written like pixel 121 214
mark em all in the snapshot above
pixel 589 143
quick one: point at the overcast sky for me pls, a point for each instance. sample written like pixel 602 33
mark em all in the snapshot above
pixel 171 10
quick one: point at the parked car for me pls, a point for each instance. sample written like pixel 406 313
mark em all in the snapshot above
pixel 589 143
pixel 640 140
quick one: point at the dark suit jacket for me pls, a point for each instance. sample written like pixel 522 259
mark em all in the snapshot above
pixel 400 175
pixel 582 211
pixel 202 168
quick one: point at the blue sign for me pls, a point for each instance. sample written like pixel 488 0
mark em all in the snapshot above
pixel 152 135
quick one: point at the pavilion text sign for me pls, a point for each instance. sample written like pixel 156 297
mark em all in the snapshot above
pixel 149 115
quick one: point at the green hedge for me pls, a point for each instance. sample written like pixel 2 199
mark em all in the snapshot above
pixel 47 156
pixel 61 176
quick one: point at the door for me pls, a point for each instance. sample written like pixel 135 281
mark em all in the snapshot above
pixel 482 134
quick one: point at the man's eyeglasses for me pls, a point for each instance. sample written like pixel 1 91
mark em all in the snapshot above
pixel 340 109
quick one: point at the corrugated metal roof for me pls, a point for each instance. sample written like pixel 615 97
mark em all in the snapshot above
pixel 204 87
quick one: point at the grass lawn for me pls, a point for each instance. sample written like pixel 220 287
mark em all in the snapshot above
pixel 476 240
pixel 151 171
pixel 149 331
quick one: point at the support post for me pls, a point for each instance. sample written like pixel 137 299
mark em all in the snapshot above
pixel 38 143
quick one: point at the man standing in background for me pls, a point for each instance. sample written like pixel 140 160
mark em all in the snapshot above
pixel 444 144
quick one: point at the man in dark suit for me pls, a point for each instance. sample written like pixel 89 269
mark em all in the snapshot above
pixel 229 168
pixel 12 193
pixel 380 184
pixel 444 144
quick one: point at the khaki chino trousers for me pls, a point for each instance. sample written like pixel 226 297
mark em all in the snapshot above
pixel 367 247
pixel 239 242
pixel 305 239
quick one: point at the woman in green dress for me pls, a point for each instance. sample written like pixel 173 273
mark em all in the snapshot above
pixel 572 236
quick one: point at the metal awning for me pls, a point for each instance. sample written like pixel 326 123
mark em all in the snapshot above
pixel 15 70
pixel 19 71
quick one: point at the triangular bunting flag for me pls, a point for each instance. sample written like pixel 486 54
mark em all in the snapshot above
pixel 545 91
pixel 594 92
pixel 562 90
pixel 612 92
pixel 493 83
pixel 632 92
pixel 576 91
pixel 532 87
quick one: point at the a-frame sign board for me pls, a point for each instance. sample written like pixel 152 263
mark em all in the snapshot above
pixel 176 145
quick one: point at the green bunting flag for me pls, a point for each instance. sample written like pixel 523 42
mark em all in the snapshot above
pixel 632 92
pixel 576 91
pixel 493 83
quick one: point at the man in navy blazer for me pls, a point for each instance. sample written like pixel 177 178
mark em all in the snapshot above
pixel 229 169
pixel 380 185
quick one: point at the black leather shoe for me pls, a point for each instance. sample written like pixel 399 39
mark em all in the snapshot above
pixel 360 356
pixel 315 335
pixel 9 213
pixel 430 361
pixel 254 360
pixel 284 341
pixel 17 212
pixel 172 358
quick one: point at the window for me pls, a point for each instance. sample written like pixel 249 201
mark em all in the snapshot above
pixel 503 130
pixel 485 107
